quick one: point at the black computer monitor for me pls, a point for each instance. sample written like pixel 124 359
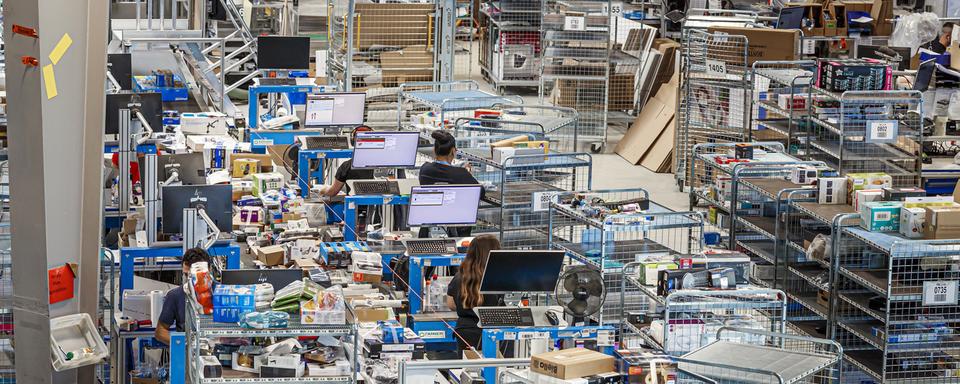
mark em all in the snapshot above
pixel 190 168
pixel 924 75
pixel 791 18
pixel 279 278
pixel 885 53
pixel 335 109
pixel 121 68
pixel 521 271
pixel 151 106
pixel 444 205
pixel 216 201
pixel 283 52
pixel 385 149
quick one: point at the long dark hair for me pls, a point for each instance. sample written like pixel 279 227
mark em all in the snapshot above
pixel 443 143
pixel 471 271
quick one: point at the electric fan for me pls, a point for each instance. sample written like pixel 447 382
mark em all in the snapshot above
pixel 580 291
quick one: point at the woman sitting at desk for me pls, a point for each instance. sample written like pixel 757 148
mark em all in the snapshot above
pixel 442 171
pixel 463 293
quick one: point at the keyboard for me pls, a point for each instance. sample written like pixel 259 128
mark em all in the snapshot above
pixel 430 246
pixel 505 317
pixel 277 81
pixel 325 142
pixel 376 187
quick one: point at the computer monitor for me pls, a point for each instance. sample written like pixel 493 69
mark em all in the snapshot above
pixel 791 18
pixel 121 67
pixel 190 168
pixel 444 205
pixel 283 52
pixel 521 271
pixel 151 106
pixel 385 149
pixel 335 109
pixel 216 201
pixel 885 53
pixel 279 278
pixel 924 75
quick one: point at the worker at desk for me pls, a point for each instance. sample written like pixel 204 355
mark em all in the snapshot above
pixel 942 41
pixel 442 171
pixel 463 293
pixel 175 302
pixel 345 171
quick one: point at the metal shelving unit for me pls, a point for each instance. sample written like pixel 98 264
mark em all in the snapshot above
pixel 201 327
pixel 448 101
pixel 887 308
pixel 558 125
pixel 608 242
pixel 519 188
pixel 784 119
pixel 510 43
pixel 868 131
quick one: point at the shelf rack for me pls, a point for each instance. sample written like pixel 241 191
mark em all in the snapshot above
pixel 716 86
pixel 868 131
pixel 447 100
pixel 790 81
pixel 886 307
pixel 701 312
pixel 519 188
pixel 510 43
pixel 607 243
pixel 200 327
pixel 558 125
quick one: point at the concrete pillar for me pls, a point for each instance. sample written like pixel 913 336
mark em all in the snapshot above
pixel 55 155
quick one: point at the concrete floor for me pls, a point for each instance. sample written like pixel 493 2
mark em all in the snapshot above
pixel 611 171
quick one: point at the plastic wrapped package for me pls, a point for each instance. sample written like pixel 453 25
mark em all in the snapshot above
pixel 201 286
pixel 327 308
pixel 265 320
pixel 915 29
pixel 288 298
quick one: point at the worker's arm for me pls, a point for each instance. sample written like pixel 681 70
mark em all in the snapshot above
pixel 451 304
pixel 162 333
pixel 333 189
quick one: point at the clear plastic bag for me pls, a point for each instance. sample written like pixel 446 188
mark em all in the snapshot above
pixel 915 29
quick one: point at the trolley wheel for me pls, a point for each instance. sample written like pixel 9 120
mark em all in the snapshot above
pixel 596 148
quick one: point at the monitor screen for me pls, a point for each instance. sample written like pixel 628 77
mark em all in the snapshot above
pixel 279 278
pixel 522 271
pixel 447 205
pixel 385 150
pixel 791 18
pixel 216 201
pixel 283 52
pixel 151 107
pixel 331 109
pixel 190 168
pixel 121 68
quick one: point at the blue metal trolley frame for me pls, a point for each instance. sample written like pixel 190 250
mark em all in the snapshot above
pixel 303 166
pixel 128 258
pixel 350 210
pixel 491 338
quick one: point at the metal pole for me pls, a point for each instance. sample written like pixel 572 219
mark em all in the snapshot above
pixel 124 186
pixel 151 193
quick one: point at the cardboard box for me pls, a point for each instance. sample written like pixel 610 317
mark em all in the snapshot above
pixel 263 182
pixel 271 255
pixel 942 222
pixel 832 190
pixel 649 270
pixel 901 194
pixel 373 314
pixel 860 181
pixel 954 49
pixel 866 196
pixel 823 298
pixel 571 363
pixel 243 167
pixel 912 222
pixel 411 64
pixel 264 161
pixel 764 44
pixel 881 216
pixel 803 175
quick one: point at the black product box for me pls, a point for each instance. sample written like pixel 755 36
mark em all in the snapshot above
pixel 722 278
pixel 375 349
pixel 604 378
pixel 854 75
pixel 266 372
pixel 224 353
pixel 672 280
pixel 737 261
pixel 743 151
pixel 901 194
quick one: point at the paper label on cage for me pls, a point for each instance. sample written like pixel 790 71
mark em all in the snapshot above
pixel 720 37
pixel 541 201
pixel 936 293
pixel 262 142
pixel 616 8
pixel 509 335
pixel 809 46
pixel 574 23
pixel 882 131
pixel 716 67
pixel 605 338
pixel 532 335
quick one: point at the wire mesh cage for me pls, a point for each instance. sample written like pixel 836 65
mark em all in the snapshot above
pixel 518 191
pixel 781 94
pixel 780 359
pixel 607 229
pixel 509 43
pixel 557 125
pixel 578 69
pixel 896 305
pixel 685 320
pixel 869 131
pixel 715 95
pixel 428 106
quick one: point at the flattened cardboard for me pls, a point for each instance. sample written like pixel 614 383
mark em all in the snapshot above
pixel 659 157
pixel 651 122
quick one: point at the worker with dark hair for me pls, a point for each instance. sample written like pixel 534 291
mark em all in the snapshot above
pixel 175 302
pixel 942 41
pixel 442 170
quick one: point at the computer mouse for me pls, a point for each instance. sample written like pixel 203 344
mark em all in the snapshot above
pixel 552 318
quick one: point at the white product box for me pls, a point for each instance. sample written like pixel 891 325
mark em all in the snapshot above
pixel 803 175
pixel 866 195
pixel 832 190
pixel 912 221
